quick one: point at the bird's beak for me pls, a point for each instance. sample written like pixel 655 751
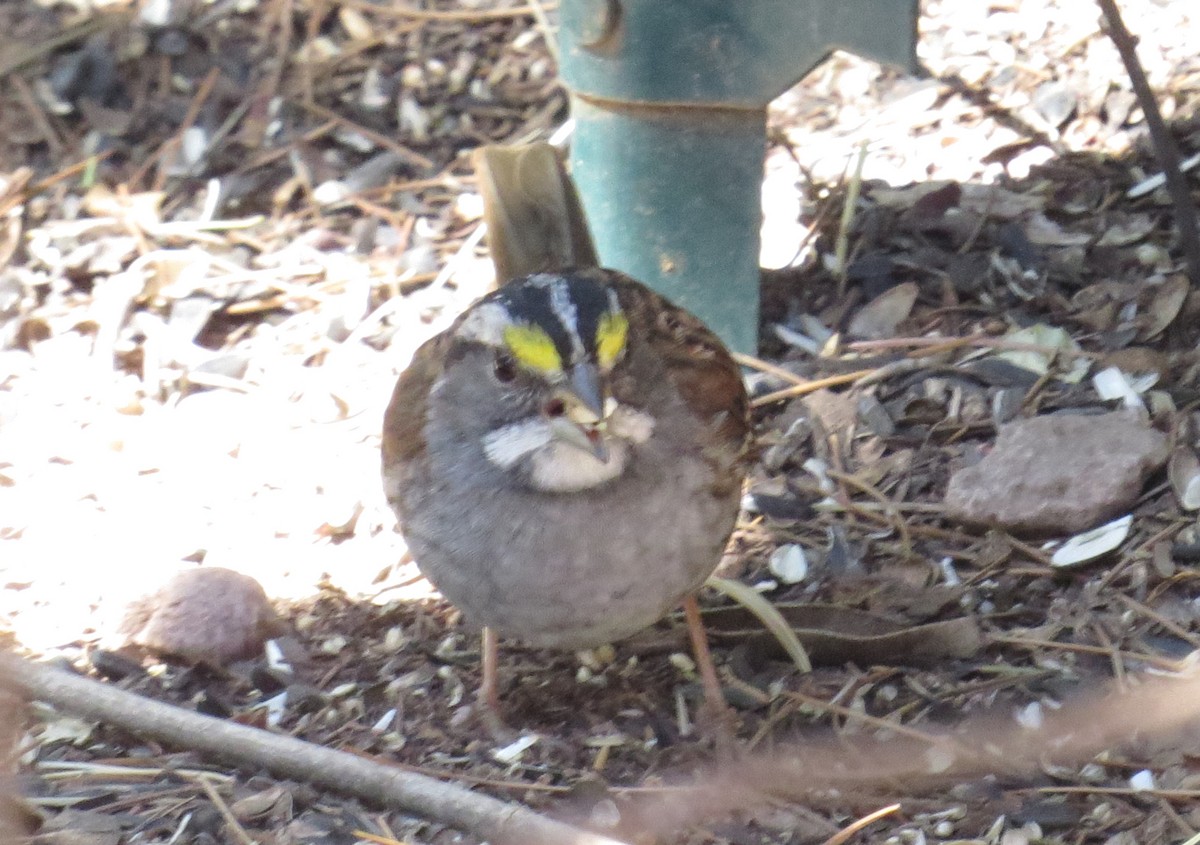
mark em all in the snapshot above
pixel 584 422
pixel 586 389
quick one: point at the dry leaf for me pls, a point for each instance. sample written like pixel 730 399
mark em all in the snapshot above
pixel 879 317
pixel 1165 306
pixel 1056 341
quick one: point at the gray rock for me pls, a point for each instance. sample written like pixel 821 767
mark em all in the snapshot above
pixel 1058 475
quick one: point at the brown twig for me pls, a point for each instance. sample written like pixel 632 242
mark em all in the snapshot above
pixel 860 718
pixel 282 50
pixel 1164 145
pixel 1096 720
pixel 810 387
pixel 1167 664
pixel 486 817
pixel 768 368
pixel 1156 617
pixel 265 158
pixel 311 30
pixel 407 155
pixel 175 142
pixel 1175 794
pixel 231 821
pixel 933 345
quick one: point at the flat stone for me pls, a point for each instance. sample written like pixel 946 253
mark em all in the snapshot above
pixel 208 614
pixel 1058 475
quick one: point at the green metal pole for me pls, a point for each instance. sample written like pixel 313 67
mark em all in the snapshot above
pixel 673 199
pixel 669 99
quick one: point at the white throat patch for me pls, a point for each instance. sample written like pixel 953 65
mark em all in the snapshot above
pixel 563 468
pixel 558 467
pixel 507 446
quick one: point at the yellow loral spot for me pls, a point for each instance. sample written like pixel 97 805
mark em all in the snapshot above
pixel 533 348
pixel 610 338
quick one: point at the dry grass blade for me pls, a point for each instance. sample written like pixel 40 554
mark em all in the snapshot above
pixel 413 158
pixel 854 827
pixel 811 387
pixel 766 613
pixel 842 245
pixel 767 367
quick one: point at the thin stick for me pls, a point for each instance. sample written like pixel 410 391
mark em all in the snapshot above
pixel 852 715
pixel 175 142
pixel 933 345
pixel 482 816
pixel 811 387
pixel 1154 615
pixel 546 30
pixel 1164 145
pixel 1166 664
pixel 1178 794
pixel 768 368
pixel 842 245
pixel 412 158
pixel 231 821
pixel 19 193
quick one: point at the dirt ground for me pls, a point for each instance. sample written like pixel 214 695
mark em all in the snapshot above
pixel 224 228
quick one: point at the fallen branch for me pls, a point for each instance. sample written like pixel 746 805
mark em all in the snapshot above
pixel 483 816
pixel 1150 709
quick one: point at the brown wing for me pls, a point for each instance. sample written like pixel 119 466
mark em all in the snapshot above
pixel 403 445
pixel 704 373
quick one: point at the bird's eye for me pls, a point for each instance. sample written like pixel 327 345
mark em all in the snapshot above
pixel 504 368
pixel 554 408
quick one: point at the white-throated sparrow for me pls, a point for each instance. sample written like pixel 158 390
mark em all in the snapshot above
pixel 566 459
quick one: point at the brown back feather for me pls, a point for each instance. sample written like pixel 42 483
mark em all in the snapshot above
pixel 706 376
pixel 403 443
